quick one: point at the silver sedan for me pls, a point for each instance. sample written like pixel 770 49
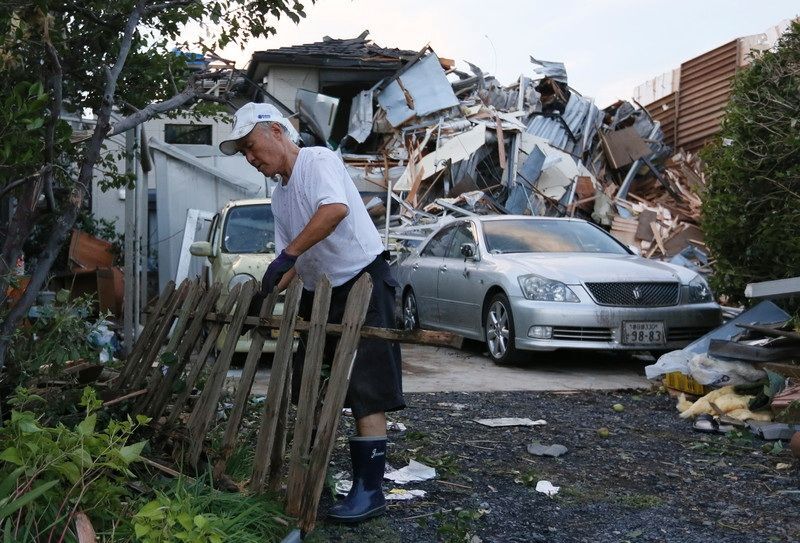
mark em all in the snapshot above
pixel 532 283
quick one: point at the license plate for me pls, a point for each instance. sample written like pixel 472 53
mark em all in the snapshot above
pixel 643 333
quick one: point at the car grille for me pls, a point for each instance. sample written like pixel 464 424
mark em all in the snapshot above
pixel 686 334
pixel 635 294
pixel 581 334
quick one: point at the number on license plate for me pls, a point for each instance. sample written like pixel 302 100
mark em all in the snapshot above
pixel 643 333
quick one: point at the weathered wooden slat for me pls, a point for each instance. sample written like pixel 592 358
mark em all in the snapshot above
pixel 158 338
pixel 352 321
pixel 281 365
pixel 201 416
pixel 193 295
pixel 279 448
pixel 420 337
pixel 159 398
pixel 307 402
pixel 258 337
pixel 132 362
pixel 200 361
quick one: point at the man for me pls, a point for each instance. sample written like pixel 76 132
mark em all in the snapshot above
pixel 323 228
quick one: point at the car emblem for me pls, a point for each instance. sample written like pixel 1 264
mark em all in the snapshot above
pixel 637 293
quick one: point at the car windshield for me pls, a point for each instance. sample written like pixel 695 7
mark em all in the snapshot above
pixel 547 236
pixel 249 229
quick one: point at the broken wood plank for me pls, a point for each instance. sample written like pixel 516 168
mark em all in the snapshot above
pixel 419 337
pixel 193 295
pixel 150 325
pixel 158 400
pixel 202 357
pixel 281 366
pixel 307 402
pixel 159 336
pixel 352 320
pixel 206 407
pixel 771 332
pixel 257 339
pixel 657 234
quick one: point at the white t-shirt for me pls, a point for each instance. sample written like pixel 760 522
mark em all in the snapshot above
pixel 318 178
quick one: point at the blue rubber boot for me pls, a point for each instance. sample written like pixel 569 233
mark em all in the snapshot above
pixel 365 500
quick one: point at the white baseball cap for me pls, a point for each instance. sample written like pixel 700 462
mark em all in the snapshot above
pixel 247 117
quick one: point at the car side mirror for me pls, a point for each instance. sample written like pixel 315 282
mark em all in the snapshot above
pixel 201 248
pixel 468 250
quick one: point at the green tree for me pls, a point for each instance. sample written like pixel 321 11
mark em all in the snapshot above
pixel 67 56
pixel 751 212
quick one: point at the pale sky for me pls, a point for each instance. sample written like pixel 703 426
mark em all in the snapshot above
pixel 608 46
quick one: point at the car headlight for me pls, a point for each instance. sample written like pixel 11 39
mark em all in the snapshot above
pixel 239 279
pixel 535 287
pixel 699 292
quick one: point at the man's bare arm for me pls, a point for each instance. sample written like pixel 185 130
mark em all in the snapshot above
pixel 322 224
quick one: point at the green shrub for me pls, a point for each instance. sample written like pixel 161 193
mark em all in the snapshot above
pixel 751 211
pixel 49 474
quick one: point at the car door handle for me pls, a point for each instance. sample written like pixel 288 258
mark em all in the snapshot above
pixel 443 268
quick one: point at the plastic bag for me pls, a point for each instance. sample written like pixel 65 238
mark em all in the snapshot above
pixel 710 371
pixel 669 362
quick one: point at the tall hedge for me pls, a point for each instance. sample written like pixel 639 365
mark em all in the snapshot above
pixel 751 211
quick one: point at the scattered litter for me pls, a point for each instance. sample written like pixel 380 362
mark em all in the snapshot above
pixel 456 406
pixel 554 450
pixel 393 426
pixel 546 487
pixel 347 412
pixel 510 421
pixel 398 494
pixel 783 465
pixel 413 472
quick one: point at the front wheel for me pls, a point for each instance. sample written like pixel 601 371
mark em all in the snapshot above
pixel 410 312
pixel 499 330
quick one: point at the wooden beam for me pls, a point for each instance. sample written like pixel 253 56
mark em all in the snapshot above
pixel 420 337
pixel 781 288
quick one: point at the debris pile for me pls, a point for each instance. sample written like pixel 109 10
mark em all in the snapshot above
pixel 439 142
pixel 744 373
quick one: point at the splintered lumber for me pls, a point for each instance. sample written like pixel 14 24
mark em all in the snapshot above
pixel 159 336
pixel 158 400
pixel 206 407
pixel 132 362
pixel 307 402
pixel 281 368
pixel 200 362
pixel 193 295
pixel 354 314
pixel 258 337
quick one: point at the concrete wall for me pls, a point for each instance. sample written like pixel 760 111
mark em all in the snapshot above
pixel 283 82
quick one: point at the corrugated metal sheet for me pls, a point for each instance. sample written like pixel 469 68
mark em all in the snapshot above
pixel 580 116
pixel 704 92
pixel 664 111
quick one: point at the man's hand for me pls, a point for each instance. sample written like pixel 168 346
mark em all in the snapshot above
pixel 276 270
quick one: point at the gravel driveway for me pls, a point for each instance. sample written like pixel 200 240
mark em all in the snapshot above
pixel 651 479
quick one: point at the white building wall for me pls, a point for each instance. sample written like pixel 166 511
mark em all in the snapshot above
pixel 283 82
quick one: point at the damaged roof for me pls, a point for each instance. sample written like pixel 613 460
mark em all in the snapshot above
pixel 358 52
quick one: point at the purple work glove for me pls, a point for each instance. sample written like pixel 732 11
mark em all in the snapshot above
pixel 275 271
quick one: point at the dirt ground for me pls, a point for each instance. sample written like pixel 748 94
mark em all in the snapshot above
pixel 651 479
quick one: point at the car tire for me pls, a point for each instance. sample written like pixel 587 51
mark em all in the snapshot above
pixel 410 311
pixel 498 324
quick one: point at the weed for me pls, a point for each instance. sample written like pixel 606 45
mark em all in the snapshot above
pixel 446 464
pixel 640 501
pixel 528 478
pixel 457 526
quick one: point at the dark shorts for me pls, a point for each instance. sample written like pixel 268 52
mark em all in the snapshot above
pixel 376 383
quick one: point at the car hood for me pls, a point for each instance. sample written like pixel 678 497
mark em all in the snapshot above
pixel 577 268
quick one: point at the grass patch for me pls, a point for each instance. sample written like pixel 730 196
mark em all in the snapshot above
pixel 374 531
pixel 640 501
